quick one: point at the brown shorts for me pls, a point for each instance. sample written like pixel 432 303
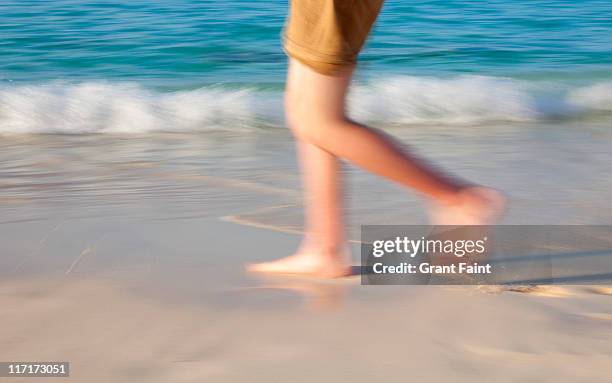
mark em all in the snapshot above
pixel 327 35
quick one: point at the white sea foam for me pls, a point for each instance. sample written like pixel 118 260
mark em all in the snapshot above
pixel 454 101
pixel 95 107
pixel 101 107
pixel 597 97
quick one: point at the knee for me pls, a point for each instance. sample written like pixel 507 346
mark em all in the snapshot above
pixel 309 123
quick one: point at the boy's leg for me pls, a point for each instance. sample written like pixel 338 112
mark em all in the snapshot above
pixel 323 200
pixel 316 113
pixel 322 251
pixel 323 247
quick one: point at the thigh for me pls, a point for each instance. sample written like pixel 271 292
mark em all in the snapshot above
pixel 313 95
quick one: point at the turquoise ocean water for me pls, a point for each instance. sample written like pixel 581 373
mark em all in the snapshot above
pixel 195 65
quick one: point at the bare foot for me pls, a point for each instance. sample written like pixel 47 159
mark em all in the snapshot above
pixel 306 263
pixel 476 205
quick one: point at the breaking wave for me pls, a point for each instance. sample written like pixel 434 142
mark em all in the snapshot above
pixel 103 107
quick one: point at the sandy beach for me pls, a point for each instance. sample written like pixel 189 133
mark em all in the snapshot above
pixel 124 256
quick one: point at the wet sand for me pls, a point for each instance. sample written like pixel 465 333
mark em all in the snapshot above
pixel 124 255
pixel 142 303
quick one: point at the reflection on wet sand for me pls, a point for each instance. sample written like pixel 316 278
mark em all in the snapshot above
pixel 316 295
